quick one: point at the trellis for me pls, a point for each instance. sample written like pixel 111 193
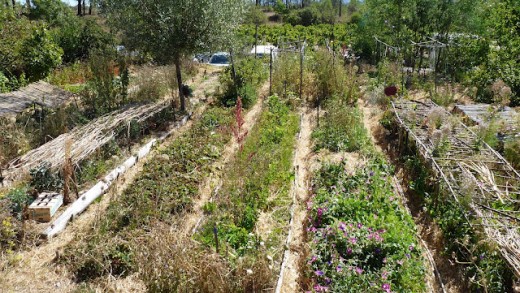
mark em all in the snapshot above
pixel 468 162
pixel 434 47
pixel 39 93
pixel 85 140
pixel 384 49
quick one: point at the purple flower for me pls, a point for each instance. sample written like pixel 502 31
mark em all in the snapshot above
pixel 319 273
pixel 408 255
pixel 400 262
pixel 371 173
pixel 349 250
pixel 342 226
pixel 386 287
pixel 410 247
pixel 359 225
pixel 359 271
pixel 339 269
pixel 353 240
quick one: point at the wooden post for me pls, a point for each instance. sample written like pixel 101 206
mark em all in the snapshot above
pixel 256 39
pixel 271 72
pixel 318 112
pixel 215 232
pixel 301 69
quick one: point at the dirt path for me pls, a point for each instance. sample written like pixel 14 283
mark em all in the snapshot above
pixel 34 270
pixel 192 220
pixel 290 273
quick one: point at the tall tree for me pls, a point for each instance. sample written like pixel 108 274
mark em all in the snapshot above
pixel 169 30
pixel 79 7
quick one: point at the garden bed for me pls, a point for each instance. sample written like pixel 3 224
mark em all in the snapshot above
pixel 251 210
pixel 361 237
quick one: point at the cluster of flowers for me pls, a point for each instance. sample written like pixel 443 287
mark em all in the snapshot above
pixel 357 249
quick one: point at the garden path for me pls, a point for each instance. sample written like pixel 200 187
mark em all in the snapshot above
pixel 290 272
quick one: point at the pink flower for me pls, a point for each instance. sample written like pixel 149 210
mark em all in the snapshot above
pixel 319 273
pixel 384 275
pixel 359 271
pixel 313 259
pixel 339 269
pixel 349 250
pixel 319 288
pixel 386 287
pixel 353 240
pixel 359 225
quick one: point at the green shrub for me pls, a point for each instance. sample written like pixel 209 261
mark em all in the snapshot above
pixel 40 54
pixel 250 74
pixel 18 199
pixel 341 129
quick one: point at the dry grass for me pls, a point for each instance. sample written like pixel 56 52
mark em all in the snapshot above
pixel 182 265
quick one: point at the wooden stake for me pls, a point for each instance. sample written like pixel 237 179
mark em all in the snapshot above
pixel 215 232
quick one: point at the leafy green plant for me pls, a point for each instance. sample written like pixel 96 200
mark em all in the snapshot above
pixel 341 129
pixel 18 199
pixel 43 179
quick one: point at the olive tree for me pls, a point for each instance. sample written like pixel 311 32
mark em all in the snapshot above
pixel 171 29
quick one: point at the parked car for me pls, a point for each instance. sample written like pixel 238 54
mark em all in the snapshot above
pixel 219 59
pixel 202 57
pixel 264 50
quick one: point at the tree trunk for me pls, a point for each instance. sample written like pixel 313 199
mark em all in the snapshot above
pixel 84 7
pixel 28 4
pixel 257 2
pixel 14 4
pixel 179 82
pixel 340 7
pixel 79 7
pixel 90 7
